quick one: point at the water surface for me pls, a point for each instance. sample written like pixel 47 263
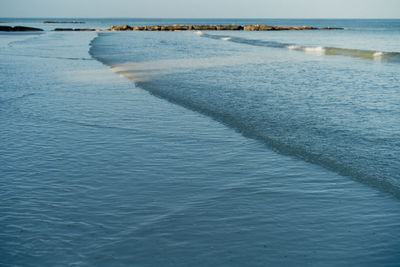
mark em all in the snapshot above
pixel 211 152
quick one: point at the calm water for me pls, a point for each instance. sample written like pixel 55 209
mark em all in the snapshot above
pixel 205 149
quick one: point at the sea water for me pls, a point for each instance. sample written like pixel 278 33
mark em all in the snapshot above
pixel 200 148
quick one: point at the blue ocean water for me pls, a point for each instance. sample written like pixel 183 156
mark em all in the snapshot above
pixel 200 148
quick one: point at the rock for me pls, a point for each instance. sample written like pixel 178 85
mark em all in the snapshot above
pixel 229 27
pixel 86 30
pixel 275 28
pixel 265 28
pixel 166 28
pixel 258 27
pixel 19 29
pixel 204 27
pixel 173 28
pixel 179 27
pixel 153 28
pixel 63 29
pixel 71 22
pixel 285 28
pixel 250 27
pixel 26 29
pixel 138 28
pixel 120 28
pixel 6 28
pixel 332 28
pixel 76 30
pixel 280 28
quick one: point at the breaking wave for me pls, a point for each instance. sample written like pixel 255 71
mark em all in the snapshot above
pixel 318 50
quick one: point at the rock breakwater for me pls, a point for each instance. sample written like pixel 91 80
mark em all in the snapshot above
pixel 75 30
pixel 256 27
pixel 19 29
pixel 62 22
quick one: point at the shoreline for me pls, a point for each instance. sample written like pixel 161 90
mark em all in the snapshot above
pixel 99 170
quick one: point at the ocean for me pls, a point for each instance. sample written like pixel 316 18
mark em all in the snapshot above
pixel 220 148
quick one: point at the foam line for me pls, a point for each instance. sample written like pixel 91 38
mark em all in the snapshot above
pixel 317 50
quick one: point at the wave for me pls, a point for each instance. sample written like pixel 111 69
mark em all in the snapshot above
pixel 318 50
pixel 301 122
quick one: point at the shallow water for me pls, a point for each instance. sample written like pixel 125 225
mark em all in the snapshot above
pixel 338 112
pixel 97 170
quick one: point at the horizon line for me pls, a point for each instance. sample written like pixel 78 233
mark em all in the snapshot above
pixel 191 18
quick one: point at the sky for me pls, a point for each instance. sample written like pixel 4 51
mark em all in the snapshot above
pixel 201 8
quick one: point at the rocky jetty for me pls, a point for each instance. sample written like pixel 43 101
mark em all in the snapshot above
pixel 19 29
pixel 60 22
pixel 331 28
pixel 215 28
pixel 75 30
pixel 276 28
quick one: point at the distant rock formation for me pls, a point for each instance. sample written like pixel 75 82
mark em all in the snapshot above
pixel 276 28
pixel 331 28
pixel 256 27
pixel 75 30
pixel 70 22
pixel 19 29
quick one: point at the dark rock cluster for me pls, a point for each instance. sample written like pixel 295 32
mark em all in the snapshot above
pixel 276 28
pixel 70 22
pixel 75 30
pixel 19 29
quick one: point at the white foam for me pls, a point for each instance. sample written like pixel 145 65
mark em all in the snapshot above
pixel 319 50
pixel 226 38
pixel 378 54
pixel 293 47
pixel 198 32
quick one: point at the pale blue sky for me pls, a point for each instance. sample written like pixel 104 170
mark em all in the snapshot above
pixel 202 8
